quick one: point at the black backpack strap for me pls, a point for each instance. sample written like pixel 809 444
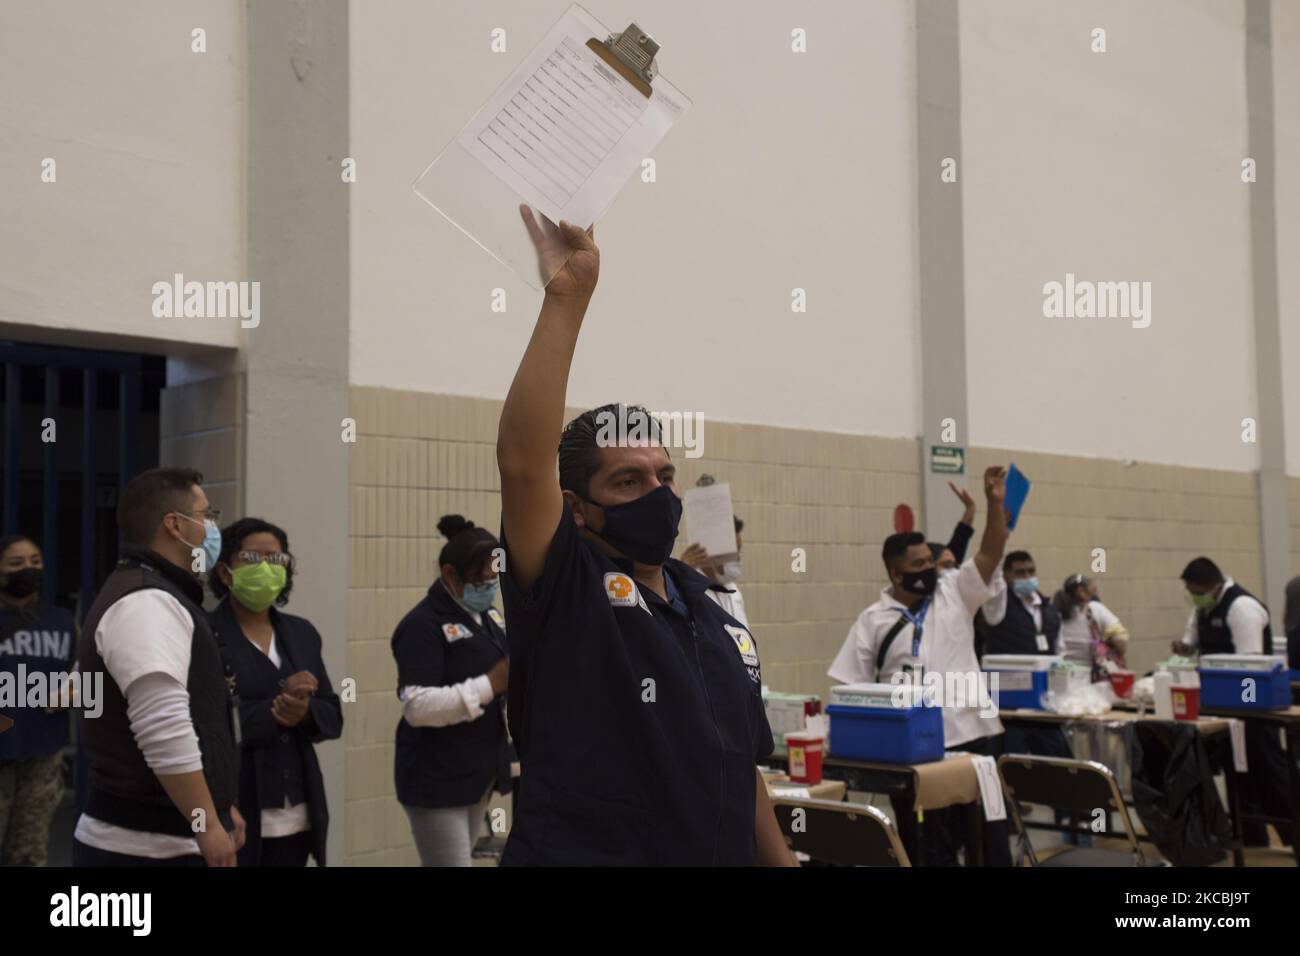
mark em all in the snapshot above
pixel 889 639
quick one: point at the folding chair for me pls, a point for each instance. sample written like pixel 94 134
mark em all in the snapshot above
pixel 1078 787
pixel 844 834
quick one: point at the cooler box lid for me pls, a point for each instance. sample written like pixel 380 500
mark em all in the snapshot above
pixel 1021 662
pixel 1241 662
pixel 878 696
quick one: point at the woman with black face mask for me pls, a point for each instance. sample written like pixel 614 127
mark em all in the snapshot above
pixel 34 639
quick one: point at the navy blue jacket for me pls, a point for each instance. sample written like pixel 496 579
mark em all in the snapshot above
pixel 638 724
pixel 438 644
pixel 262 758
pixel 42 639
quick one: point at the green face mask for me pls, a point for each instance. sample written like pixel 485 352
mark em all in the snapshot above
pixel 1204 601
pixel 256 586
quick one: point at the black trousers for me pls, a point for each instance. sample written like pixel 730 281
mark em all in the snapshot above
pixel 947 830
pixel 1266 788
pixel 83 855
pixel 291 850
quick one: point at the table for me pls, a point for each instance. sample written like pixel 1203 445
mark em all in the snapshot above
pixel 780 785
pixel 1289 720
pixel 1205 725
pixel 931 786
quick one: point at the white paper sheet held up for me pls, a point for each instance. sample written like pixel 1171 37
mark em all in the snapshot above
pixel 566 131
pixel 710 520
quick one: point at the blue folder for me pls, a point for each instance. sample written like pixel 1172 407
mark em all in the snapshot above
pixel 1017 491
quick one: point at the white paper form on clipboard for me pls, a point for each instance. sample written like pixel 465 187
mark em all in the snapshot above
pixel 563 134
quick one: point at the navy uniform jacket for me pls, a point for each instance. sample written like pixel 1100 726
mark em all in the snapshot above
pixel 262 759
pixel 438 644
pixel 638 725
pixel 41 638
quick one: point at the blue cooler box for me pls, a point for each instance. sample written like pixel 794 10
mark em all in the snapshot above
pixel 1224 682
pixel 867 724
pixel 1023 679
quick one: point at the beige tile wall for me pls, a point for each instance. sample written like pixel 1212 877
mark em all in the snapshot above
pixel 201 426
pixel 419 456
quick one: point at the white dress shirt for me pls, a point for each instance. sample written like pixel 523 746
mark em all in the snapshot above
pixel 1247 619
pixel 732 603
pixel 947 646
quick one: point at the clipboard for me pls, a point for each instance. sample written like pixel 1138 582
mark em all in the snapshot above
pixel 557 140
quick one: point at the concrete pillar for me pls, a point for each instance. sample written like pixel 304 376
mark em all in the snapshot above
pixel 941 297
pixel 1274 518
pixel 296 359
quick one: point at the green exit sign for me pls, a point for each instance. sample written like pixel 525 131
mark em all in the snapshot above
pixel 947 459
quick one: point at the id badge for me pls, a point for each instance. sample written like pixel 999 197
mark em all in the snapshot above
pixel 913 669
pixel 1042 641
pixel 235 728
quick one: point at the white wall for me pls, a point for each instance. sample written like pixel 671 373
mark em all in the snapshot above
pixel 148 140
pixel 790 170
pixel 1117 166
pixel 1286 94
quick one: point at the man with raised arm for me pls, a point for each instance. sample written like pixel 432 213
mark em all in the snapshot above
pixel 634 701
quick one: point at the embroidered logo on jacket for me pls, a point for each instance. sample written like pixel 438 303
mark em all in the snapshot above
pixel 744 644
pixel 454 632
pixel 620 590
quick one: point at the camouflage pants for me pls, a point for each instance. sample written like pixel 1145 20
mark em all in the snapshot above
pixel 30 791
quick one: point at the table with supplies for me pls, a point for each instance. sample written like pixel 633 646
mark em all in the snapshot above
pixel 1123 716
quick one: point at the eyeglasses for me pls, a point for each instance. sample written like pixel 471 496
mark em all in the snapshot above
pixel 212 513
pixel 281 558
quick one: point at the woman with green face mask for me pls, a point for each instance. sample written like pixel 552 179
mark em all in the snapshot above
pixel 286 702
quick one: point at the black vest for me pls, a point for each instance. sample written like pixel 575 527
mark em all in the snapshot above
pixel 1016 632
pixel 124 791
pixel 1212 631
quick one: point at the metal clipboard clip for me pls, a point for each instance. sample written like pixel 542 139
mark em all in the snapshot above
pixel 632 54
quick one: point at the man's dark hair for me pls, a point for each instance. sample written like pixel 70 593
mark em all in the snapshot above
pixel 149 496
pixel 1202 572
pixel 896 546
pixel 232 541
pixel 579 453
pixel 1015 557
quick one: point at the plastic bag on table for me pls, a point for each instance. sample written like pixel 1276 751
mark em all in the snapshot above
pixel 1089 700
pixel 1174 793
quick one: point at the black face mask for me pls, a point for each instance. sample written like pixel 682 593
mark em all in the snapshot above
pixel 920 582
pixel 21 584
pixel 644 529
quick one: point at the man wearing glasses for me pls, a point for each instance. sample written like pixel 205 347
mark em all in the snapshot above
pixel 164 772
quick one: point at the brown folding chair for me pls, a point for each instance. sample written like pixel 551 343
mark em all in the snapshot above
pixel 844 834
pixel 1077 787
